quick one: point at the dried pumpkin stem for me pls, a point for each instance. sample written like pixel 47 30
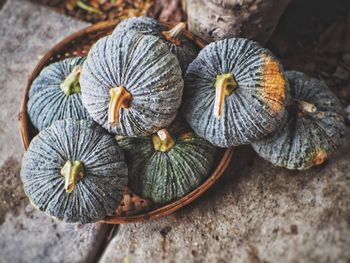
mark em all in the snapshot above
pixel 162 141
pixel 320 157
pixel 225 84
pixel 186 136
pixel 120 137
pixel 72 172
pixel 71 84
pixel 307 107
pixel 119 98
pixel 174 33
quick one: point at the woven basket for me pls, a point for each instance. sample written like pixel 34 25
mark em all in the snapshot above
pixel 133 208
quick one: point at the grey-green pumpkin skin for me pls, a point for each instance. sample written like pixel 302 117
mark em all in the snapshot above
pixel 146 68
pixel 96 195
pixel 166 176
pixel 253 110
pixel 305 141
pixel 47 102
pixel 186 52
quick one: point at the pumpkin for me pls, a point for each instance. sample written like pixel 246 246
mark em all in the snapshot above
pixel 131 84
pixel 313 130
pixel 166 166
pixel 235 92
pixel 74 171
pixel 178 44
pixel 55 94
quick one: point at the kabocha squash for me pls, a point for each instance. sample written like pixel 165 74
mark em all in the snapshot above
pixel 131 84
pixel 55 94
pixel 313 130
pixel 178 44
pixel 235 92
pixel 164 167
pixel 74 171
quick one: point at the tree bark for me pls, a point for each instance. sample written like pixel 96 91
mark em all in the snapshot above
pixel 166 11
pixel 218 19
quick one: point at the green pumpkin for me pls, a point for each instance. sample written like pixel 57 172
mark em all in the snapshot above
pixel 313 130
pixel 164 167
pixel 178 44
pixel 235 92
pixel 74 171
pixel 131 84
pixel 55 94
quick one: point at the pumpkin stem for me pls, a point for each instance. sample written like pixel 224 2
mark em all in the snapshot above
pixel 320 157
pixel 72 172
pixel 162 141
pixel 119 98
pixel 186 136
pixel 225 84
pixel 307 107
pixel 174 33
pixel 119 137
pixel 71 84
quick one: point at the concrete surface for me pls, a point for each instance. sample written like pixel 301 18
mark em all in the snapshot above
pixel 255 213
pixel 26 235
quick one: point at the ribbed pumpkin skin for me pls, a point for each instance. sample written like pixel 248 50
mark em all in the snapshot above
pixel 253 110
pixel 146 68
pixel 47 103
pixel 186 52
pixel 141 24
pixel 97 194
pixel 165 176
pixel 303 142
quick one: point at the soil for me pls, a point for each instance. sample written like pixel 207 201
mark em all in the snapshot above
pixel 12 196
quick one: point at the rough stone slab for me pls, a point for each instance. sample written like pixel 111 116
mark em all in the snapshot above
pixel 32 236
pixel 255 213
pixel 27 235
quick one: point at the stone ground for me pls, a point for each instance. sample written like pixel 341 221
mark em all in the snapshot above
pixel 255 213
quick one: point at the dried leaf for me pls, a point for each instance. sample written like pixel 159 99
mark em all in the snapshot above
pixel 71 4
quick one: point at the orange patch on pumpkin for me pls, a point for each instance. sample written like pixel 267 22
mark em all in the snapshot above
pixel 320 157
pixel 274 85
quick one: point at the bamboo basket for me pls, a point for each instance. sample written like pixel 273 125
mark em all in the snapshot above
pixel 132 208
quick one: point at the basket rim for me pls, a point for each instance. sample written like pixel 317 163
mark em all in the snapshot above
pixel 161 211
pixel 176 205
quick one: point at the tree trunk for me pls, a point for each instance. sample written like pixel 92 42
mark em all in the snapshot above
pixel 218 19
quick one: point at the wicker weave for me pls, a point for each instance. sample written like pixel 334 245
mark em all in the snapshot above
pixel 133 208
